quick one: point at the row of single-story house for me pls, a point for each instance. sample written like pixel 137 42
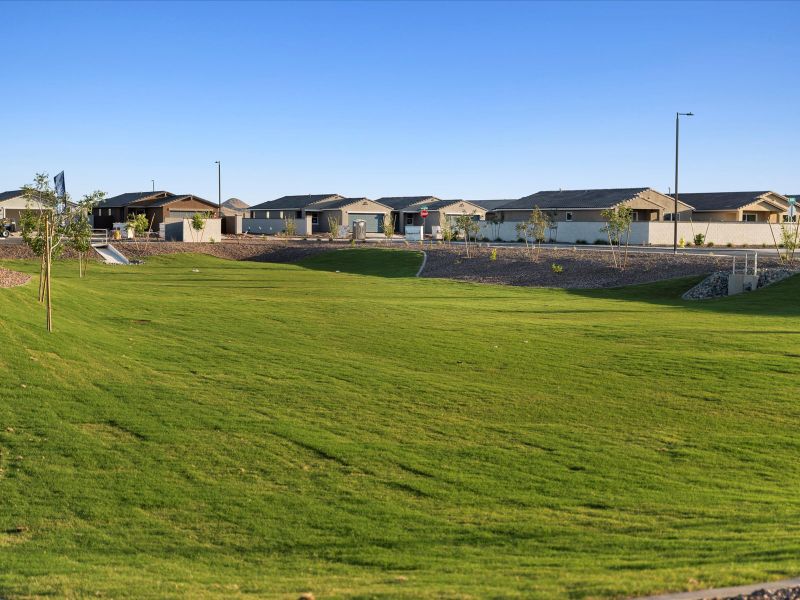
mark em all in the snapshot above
pixel 313 213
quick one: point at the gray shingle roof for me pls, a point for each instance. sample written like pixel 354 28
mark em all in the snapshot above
pixel 157 202
pixel 128 198
pixel 294 202
pixel 10 194
pixel 560 199
pixel 401 202
pixel 720 200
pixel 491 204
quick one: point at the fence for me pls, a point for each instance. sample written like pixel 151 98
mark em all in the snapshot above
pixel 655 233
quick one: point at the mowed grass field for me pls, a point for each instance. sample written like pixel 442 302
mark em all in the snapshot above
pixel 262 430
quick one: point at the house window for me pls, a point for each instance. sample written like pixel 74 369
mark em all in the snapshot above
pixel 409 219
pixel 751 218
pixel 314 219
pixel 635 215
pixel 569 216
pixel 671 217
pixel 788 219
pixel 298 214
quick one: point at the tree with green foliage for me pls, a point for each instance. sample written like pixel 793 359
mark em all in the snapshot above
pixel 198 225
pixel 533 230
pixel 79 231
pixel 466 223
pixel 447 229
pixel 289 227
pixel 388 227
pixel 48 223
pixel 618 225
pixel 333 226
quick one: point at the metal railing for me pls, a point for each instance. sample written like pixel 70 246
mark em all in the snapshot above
pixel 749 266
pixel 99 237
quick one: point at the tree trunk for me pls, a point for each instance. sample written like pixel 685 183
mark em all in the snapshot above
pixel 47 277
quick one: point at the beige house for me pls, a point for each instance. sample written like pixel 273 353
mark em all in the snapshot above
pixel 588 205
pixel 748 207
pixel 316 212
pixel 13 203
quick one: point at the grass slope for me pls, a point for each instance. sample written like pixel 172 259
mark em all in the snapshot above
pixel 261 430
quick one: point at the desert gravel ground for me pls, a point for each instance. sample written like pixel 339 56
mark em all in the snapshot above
pixel 12 278
pixel 581 268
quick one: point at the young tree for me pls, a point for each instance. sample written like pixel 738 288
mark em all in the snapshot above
pixel 618 223
pixel 467 224
pixel 290 227
pixel 198 224
pixel 46 225
pixel 80 229
pixel 388 227
pixel 448 232
pixel 533 230
pixel 495 221
pixel 333 226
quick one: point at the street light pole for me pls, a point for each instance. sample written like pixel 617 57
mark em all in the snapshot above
pixel 678 116
pixel 153 181
pixel 219 187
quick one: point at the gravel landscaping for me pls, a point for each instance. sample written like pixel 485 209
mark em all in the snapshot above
pixel 12 278
pixel 792 593
pixel 580 268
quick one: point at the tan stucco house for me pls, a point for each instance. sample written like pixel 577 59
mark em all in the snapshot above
pixel 588 205
pixel 406 210
pixel 13 203
pixel 317 210
pixel 749 207
pixel 159 207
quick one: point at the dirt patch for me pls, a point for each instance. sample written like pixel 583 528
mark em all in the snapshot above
pixel 12 278
pixel 580 268
pixel 261 250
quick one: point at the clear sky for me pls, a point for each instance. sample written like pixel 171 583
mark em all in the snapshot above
pixel 469 100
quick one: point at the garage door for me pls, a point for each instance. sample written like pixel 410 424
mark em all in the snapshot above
pixel 374 221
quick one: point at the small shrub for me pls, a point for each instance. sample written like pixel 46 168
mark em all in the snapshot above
pixel 600 242
pixel 710 244
pixel 556 268
pixel 520 240
pixel 493 255
pixel 699 239
pixel 729 245
pixel 498 239
pixel 581 242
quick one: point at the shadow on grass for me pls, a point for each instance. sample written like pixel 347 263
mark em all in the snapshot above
pixel 376 262
pixel 780 299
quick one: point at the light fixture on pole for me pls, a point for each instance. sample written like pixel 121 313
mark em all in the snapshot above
pixel 675 214
pixel 219 187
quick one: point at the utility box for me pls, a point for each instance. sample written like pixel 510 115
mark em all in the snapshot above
pixel 359 230
pixel 414 233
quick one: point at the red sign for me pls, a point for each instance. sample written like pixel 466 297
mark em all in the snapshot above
pixel 423 213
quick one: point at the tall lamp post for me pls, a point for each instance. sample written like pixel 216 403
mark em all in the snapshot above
pixel 219 187
pixel 675 214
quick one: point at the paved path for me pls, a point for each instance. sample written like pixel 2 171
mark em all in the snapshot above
pixel 728 592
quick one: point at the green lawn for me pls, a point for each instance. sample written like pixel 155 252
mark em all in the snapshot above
pixel 262 430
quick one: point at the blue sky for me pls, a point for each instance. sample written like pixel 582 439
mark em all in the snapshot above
pixel 470 100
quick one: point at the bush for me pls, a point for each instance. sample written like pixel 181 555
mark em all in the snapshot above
pixel 581 242
pixel 555 268
pixel 520 240
pixel 493 255
pixel 710 244
pixel 699 239
pixel 729 245
pixel 600 242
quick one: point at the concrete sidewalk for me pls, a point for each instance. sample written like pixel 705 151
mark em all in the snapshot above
pixel 728 592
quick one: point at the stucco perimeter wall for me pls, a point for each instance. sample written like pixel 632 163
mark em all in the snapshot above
pixel 272 226
pixel 211 232
pixel 647 233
